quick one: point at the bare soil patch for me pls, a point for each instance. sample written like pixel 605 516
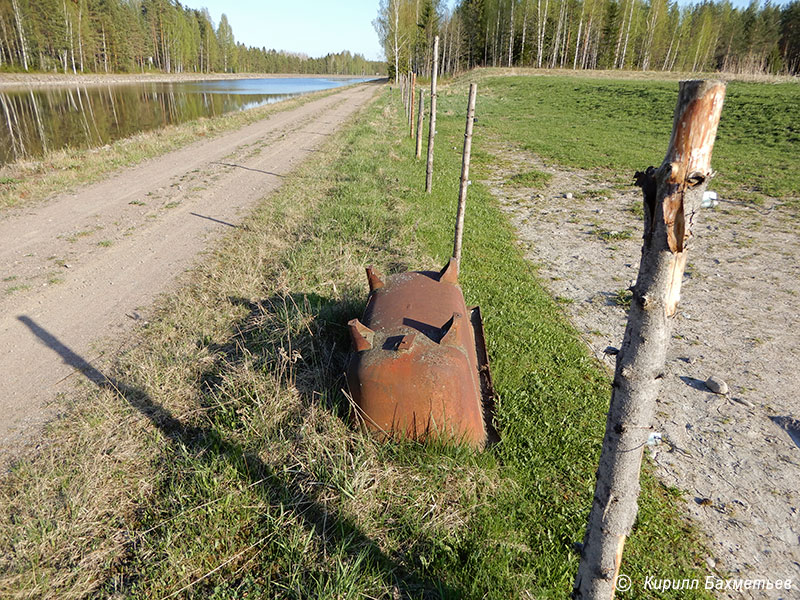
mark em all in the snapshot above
pixel 80 268
pixel 736 456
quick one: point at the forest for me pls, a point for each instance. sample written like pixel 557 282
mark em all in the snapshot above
pixel 107 36
pixel 646 35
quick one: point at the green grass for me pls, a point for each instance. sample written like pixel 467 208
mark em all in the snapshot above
pixel 623 297
pixel 609 236
pixel 621 126
pixel 533 179
pixel 17 288
pixel 221 455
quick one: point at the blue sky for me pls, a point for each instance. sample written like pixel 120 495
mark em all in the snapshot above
pixel 315 27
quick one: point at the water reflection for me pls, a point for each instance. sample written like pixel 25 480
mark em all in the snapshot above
pixel 35 121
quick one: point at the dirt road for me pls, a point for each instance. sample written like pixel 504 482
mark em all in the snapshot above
pixel 76 271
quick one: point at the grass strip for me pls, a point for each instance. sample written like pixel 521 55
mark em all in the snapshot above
pixel 219 462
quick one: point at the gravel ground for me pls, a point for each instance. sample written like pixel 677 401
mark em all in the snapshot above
pixel 735 455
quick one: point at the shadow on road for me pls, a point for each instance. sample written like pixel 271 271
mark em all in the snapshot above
pixel 224 164
pixel 194 214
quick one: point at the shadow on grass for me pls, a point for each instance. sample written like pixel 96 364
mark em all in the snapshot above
pixel 206 444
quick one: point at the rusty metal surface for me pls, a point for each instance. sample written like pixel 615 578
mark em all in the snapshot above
pixel 420 368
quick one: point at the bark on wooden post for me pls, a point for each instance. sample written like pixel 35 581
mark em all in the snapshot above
pixel 672 197
pixel 403 90
pixel 405 94
pixel 411 106
pixel 420 112
pixel 432 120
pixel 462 189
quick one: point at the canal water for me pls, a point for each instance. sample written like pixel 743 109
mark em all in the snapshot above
pixel 33 121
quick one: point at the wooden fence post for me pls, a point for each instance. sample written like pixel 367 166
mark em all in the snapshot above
pixel 411 106
pixel 405 94
pixel 672 197
pixel 420 112
pixel 403 90
pixel 462 189
pixel 432 120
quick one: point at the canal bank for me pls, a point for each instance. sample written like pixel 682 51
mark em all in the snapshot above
pixel 28 182
pixel 35 120
pixel 25 80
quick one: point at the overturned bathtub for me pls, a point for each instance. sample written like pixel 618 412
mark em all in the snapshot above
pixel 420 368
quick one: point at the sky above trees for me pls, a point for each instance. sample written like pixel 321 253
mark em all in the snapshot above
pixel 313 27
pixel 137 35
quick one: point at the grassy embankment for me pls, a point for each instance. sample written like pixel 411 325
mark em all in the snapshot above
pixel 220 456
pixel 32 180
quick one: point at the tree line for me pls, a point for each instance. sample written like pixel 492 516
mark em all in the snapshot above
pixel 76 36
pixel 647 35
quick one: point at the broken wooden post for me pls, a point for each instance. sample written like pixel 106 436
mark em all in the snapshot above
pixel 419 124
pixel 432 120
pixel 672 197
pixel 462 190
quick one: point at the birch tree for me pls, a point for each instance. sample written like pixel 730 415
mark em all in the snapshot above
pixel 21 32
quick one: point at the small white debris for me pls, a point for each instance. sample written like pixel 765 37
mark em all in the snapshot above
pixel 654 439
pixel 717 385
pixel 568 195
pixel 710 200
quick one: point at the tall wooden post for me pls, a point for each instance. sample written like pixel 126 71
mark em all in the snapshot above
pixel 462 189
pixel 411 106
pixel 408 96
pixel 672 197
pixel 432 120
pixel 420 112
pixel 403 84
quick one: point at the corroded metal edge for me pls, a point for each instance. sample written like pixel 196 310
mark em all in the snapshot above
pixel 487 388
